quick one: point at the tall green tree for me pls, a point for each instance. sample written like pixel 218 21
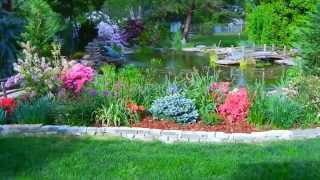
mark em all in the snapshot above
pixel 275 21
pixel 42 25
pixel 309 42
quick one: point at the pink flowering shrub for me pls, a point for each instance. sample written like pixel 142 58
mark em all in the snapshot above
pixel 235 107
pixel 76 77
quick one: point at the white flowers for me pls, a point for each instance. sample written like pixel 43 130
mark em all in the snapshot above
pixel 39 74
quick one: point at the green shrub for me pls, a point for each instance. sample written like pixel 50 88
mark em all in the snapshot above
pixel 308 42
pixel 208 115
pixel 40 75
pixel 37 111
pixel 282 112
pixel 42 25
pixel 175 107
pixel 78 111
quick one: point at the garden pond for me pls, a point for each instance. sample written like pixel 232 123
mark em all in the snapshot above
pixel 177 63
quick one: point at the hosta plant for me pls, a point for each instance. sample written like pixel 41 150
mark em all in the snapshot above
pixel 175 107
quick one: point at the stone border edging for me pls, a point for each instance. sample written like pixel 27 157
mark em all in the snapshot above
pixel 167 136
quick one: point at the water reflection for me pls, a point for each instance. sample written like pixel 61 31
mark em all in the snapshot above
pixel 177 63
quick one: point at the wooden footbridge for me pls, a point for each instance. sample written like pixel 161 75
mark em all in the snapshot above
pixel 234 55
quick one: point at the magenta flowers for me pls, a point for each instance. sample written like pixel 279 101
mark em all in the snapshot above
pixel 76 77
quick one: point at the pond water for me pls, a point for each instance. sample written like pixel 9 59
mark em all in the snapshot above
pixel 175 63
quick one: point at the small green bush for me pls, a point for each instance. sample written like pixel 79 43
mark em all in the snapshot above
pixel 276 110
pixel 35 112
pixel 78 111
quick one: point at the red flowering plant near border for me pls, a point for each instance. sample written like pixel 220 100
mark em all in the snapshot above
pixel 8 105
pixel 235 107
pixel 135 111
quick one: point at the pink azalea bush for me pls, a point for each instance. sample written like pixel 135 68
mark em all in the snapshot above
pixel 76 77
pixel 235 107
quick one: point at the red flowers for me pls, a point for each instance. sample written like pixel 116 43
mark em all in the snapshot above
pixel 235 107
pixel 8 104
pixel 134 108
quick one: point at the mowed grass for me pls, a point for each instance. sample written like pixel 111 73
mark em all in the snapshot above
pixel 112 158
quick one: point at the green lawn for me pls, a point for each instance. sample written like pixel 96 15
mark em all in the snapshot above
pixel 227 39
pixel 111 158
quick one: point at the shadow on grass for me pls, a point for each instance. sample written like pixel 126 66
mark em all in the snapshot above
pixel 282 170
pixel 20 156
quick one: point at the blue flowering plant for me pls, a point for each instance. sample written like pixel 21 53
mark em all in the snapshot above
pixel 175 107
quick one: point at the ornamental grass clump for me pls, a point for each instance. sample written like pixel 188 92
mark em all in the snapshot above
pixel 175 107
pixel 283 112
pixel 76 77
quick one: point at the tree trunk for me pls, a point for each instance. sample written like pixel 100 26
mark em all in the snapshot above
pixel 187 23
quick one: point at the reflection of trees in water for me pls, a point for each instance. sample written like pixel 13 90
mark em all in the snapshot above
pixel 179 63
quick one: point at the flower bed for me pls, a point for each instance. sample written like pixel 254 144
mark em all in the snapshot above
pixel 62 92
